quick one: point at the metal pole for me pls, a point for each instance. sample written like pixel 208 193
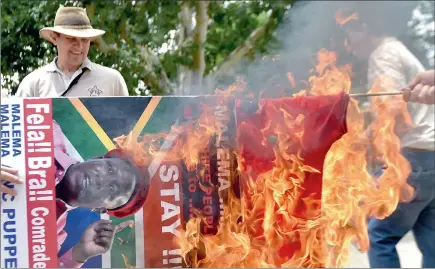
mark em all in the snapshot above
pixel 375 94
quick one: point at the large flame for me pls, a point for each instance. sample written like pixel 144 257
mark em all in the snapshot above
pixel 255 230
pixel 351 194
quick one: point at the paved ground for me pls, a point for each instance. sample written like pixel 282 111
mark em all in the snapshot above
pixel 410 256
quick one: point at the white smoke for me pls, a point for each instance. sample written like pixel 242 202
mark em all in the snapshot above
pixel 309 26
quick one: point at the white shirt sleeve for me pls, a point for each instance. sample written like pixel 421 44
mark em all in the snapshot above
pixel 386 67
pixel 26 89
pixel 121 87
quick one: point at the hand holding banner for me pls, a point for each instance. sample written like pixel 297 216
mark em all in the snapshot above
pixel 9 175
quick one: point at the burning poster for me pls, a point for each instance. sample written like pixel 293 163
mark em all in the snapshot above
pixel 212 181
pixel 131 155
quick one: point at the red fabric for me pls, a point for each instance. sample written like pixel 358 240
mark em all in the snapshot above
pixel 324 123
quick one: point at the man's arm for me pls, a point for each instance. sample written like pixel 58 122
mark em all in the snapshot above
pixel 26 89
pixel 387 73
pixel 121 87
pixel 66 261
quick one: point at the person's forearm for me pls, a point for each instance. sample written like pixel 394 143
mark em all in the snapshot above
pixel 66 261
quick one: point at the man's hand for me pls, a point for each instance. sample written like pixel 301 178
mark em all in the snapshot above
pixel 97 239
pixel 9 174
pixel 421 89
pixel 420 94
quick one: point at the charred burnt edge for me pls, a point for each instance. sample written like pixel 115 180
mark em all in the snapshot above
pixel 195 199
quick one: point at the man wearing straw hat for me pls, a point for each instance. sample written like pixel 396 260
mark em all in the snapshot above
pixel 71 73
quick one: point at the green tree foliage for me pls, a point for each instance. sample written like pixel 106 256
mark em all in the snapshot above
pixel 423 32
pixel 21 49
pixel 147 41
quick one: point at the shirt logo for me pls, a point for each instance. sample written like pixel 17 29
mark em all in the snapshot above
pixel 94 91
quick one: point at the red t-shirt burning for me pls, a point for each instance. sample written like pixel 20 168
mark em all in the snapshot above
pixel 282 144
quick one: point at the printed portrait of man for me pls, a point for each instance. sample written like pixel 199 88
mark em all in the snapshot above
pixel 112 184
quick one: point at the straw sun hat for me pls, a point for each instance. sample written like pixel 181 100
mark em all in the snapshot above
pixel 71 21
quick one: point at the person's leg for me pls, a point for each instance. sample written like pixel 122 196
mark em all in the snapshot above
pixel 424 233
pixel 384 234
pixel 423 175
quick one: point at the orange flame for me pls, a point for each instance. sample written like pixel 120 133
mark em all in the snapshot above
pixel 291 79
pixel 147 147
pixel 238 87
pixel 330 79
pixel 254 231
pixel 350 193
pixel 340 19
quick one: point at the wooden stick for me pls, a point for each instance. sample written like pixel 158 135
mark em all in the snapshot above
pixel 375 94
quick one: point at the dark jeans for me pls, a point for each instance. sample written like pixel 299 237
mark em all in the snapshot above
pixel 417 215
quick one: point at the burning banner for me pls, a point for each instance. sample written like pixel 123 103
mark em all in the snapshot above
pixel 306 188
pixel 93 200
pixel 213 181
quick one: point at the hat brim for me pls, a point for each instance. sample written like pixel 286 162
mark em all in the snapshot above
pixel 80 33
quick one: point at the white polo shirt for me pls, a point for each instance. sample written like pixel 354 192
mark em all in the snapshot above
pixel 49 81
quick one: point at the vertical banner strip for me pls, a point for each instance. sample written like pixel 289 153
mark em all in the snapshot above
pixel 108 144
pixel 81 144
pixel 106 257
pixel 40 181
pixel 152 169
pixel 138 230
pixel 116 257
pixel 138 218
pixel 14 244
